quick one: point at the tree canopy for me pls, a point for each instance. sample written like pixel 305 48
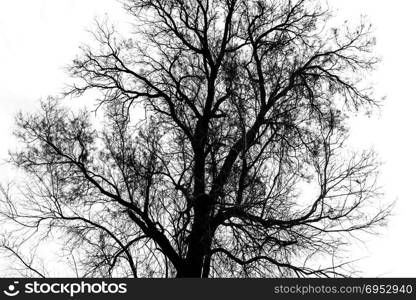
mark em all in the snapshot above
pixel 220 151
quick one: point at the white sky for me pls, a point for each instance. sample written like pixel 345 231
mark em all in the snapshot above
pixel 39 37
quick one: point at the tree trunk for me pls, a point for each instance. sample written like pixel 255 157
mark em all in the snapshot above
pixel 199 240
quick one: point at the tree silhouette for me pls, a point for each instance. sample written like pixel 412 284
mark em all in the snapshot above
pixel 219 150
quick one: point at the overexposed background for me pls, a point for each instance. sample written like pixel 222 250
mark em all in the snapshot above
pixel 39 37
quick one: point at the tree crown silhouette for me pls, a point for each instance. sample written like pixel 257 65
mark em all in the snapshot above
pixel 220 151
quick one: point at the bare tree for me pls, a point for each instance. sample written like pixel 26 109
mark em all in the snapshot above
pixel 221 147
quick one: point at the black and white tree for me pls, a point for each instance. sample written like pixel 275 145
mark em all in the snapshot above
pixel 217 147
